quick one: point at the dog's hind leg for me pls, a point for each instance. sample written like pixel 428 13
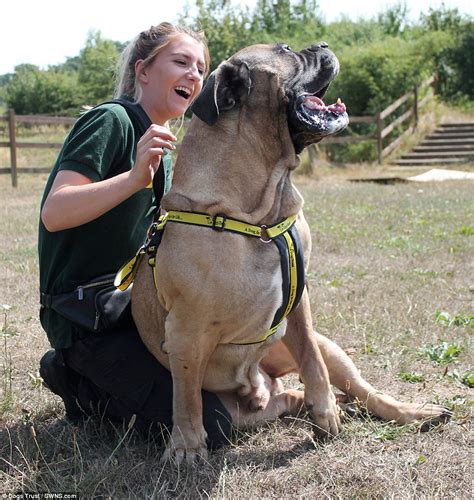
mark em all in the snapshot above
pixel 280 402
pixel 344 375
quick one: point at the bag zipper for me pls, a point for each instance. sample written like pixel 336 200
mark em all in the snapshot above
pixel 80 289
pixel 96 322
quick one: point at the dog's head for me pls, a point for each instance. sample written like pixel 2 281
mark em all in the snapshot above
pixel 276 77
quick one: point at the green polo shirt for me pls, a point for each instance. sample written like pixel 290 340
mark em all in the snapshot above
pixel 102 141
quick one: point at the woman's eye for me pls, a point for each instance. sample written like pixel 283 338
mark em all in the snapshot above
pixel 179 61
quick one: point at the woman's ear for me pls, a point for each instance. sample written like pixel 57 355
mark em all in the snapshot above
pixel 140 71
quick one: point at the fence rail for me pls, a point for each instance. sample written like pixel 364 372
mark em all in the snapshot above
pixel 381 132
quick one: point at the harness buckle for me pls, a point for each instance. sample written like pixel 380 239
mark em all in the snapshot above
pixel 151 230
pixel 264 234
pixel 218 225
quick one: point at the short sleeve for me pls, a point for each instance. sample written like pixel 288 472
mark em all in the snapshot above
pixel 98 142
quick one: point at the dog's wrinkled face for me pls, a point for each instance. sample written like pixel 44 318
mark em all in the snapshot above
pixel 302 80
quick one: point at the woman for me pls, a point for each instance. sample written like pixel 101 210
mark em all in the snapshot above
pixel 95 212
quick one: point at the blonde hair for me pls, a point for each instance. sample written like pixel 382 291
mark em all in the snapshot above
pixel 146 46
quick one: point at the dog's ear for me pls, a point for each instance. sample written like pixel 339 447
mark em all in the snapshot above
pixel 225 87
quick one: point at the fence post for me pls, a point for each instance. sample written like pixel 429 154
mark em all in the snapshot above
pixel 415 105
pixel 12 132
pixel 378 121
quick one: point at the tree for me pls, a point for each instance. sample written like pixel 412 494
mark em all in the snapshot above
pixel 229 28
pixel 35 91
pixel 441 19
pixel 97 63
pixel 394 19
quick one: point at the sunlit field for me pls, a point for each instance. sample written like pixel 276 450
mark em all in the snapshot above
pixel 390 281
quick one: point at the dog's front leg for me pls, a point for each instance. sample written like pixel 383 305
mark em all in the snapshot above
pixel 301 342
pixel 188 353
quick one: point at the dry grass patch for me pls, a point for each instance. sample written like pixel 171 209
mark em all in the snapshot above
pixel 391 282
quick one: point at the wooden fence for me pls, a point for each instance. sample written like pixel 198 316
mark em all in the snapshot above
pixel 408 119
pixel 379 136
pixel 13 144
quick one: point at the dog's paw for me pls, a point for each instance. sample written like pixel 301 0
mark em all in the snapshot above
pixel 185 447
pixel 189 456
pixel 326 417
pixel 429 415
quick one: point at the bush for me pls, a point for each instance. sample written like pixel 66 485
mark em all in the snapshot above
pixel 374 75
pixel 456 66
pixel 35 91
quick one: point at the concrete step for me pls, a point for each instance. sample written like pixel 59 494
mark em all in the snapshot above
pixel 429 161
pixel 457 125
pixel 437 154
pixel 441 141
pixel 451 135
pixel 466 148
pixel 450 130
pixel 450 143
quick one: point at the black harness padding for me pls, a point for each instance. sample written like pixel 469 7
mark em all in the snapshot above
pixel 285 269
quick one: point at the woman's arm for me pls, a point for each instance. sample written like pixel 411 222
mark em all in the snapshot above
pixel 74 199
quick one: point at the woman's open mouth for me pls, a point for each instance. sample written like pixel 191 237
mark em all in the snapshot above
pixel 183 92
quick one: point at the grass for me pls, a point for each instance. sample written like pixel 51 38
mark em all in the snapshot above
pixel 33 157
pixel 390 279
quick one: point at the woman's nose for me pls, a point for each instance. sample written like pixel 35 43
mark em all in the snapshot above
pixel 193 73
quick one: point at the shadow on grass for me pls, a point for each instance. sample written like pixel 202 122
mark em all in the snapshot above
pixel 46 453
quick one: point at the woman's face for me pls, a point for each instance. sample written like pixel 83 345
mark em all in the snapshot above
pixel 174 78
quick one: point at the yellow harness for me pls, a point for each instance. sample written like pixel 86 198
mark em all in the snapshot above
pixel 283 234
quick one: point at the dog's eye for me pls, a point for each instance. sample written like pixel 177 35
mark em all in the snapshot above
pixel 283 47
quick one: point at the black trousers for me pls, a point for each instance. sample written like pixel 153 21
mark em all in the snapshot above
pixel 119 377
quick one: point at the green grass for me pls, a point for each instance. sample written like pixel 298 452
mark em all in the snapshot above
pixel 390 274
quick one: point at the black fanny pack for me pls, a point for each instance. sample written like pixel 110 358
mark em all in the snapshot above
pixel 95 306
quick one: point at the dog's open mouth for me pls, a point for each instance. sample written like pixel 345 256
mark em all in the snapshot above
pixel 315 105
pixel 311 119
pixel 319 118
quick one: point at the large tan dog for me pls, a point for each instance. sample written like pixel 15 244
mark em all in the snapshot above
pixel 218 291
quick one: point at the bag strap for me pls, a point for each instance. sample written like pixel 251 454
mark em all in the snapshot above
pixel 142 121
pixel 135 112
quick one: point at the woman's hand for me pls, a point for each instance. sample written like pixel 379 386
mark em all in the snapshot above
pixel 150 148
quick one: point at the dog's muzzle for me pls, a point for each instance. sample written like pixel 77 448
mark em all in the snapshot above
pixel 311 120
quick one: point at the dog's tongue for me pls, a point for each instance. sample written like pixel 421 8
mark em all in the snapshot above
pixel 315 103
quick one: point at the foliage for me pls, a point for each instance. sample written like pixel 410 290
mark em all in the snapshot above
pixel 443 353
pixel 96 66
pixel 228 28
pixel 412 377
pixel 456 65
pixel 375 74
pixel 381 57
pixel 444 318
pixel 394 20
pixel 63 89
pixel 32 90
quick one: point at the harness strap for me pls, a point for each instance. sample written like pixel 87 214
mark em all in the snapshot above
pixel 283 234
pixel 220 222
pixel 126 274
pixel 293 282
